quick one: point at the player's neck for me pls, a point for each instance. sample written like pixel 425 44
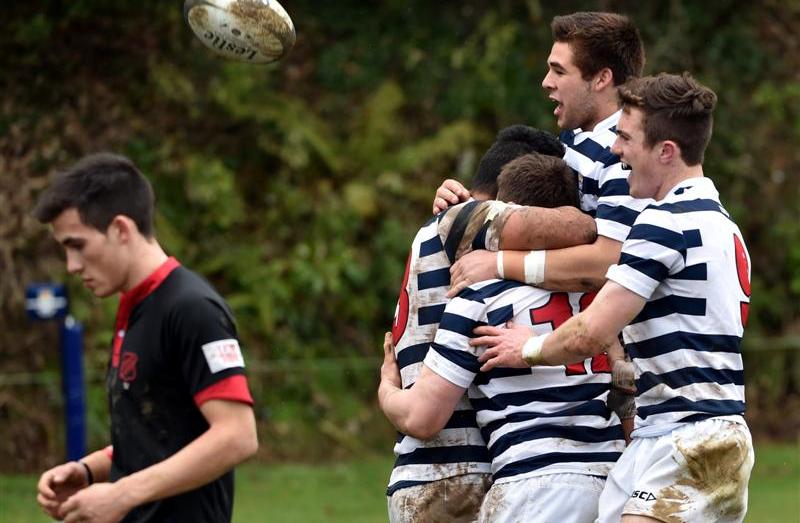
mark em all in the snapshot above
pixel 678 176
pixel 147 257
pixel 605 108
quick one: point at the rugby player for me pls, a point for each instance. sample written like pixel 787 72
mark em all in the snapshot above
pixel 680 293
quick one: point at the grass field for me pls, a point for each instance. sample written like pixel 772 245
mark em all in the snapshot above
pixel 354 492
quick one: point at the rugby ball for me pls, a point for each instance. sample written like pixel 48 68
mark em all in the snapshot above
pixel 251 31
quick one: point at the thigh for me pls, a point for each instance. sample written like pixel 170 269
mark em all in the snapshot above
pixel 457 499
pixel 620 482
pixel 562 498
pixel 699 473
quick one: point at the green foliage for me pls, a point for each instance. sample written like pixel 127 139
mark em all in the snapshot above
pixel 296 187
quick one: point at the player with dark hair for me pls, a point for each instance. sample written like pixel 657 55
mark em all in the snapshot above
pixel 550 436
pixel 445 478
pixel 680 293
pixel 592 55
pixel 181 409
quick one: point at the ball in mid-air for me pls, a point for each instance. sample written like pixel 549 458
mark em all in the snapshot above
pixel 252 31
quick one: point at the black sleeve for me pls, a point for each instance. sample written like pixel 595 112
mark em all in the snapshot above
pixel 205 341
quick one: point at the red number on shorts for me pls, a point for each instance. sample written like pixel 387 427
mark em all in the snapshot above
pixel 401 316
pixel 558 310
pixel 742 269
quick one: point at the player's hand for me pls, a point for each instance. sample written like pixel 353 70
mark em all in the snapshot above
pixel 99 503
pixel 58 484
pixel 623 376
pixel 504 345
pixel 390 372
pixel 451 192
pixel 471 268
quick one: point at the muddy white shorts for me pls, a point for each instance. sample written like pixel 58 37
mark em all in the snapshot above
pixel 457 499
pixel 552 498
pixel 696 473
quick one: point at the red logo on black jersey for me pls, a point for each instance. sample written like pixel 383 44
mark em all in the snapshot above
pixel 127 369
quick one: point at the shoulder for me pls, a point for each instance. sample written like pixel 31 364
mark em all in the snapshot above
pixel 188 295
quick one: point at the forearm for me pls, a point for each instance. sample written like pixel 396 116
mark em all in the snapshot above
pixel 574 269
pixel 213 453
pixel 541 228
pixel 594 330
pixel 100 464
pixel 405 411
pixel 575 341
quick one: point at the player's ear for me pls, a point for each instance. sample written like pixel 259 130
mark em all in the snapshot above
pixel 603 79
pixel 122 229
pixel 669 152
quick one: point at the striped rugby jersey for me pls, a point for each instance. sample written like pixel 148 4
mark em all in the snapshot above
pixel 459 448
pixel 686 257
pixel 602 182
pixel 536 421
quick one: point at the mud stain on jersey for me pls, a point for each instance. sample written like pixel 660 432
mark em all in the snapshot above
pixel 476 221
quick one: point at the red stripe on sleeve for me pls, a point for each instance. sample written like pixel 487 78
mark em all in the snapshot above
pixel 233 388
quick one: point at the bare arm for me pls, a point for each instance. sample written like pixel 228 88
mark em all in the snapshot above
pixel 421 411
pixel 589 333
pixel 581 268
pixel 230 439
pixel 542 228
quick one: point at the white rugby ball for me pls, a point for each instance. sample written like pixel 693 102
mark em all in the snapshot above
pixel 252 31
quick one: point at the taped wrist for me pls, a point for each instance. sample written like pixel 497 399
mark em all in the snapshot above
pixel 532 350
pixel 500 271
pixel 623 376
pixel 534 267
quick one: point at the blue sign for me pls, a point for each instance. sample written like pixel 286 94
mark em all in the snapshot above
pixel 45 301
pixel 48 301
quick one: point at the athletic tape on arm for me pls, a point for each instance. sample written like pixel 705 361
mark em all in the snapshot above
pixel 534 267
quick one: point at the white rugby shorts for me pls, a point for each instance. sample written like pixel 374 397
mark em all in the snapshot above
pixel 697 473
pixel 551 498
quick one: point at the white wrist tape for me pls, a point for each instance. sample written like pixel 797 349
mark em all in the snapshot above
pixel 534 267
pixel 532 350
pixel 500 272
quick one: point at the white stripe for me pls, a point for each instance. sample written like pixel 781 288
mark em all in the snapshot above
pixel 438 471
pixel 688 358
pixel 445 438
pixel 693 392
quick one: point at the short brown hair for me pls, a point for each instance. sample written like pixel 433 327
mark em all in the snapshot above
pixel 538 180
pixel 600 40
pixel 676 108
pixel 100 186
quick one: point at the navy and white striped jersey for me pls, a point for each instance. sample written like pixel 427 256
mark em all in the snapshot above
pixel 536 421
pixel 602 181
pixel 459 448
pixel 686 257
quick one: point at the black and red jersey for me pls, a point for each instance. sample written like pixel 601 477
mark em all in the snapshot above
pixel 175 347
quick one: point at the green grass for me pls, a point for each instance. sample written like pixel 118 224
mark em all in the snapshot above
pixel 354 492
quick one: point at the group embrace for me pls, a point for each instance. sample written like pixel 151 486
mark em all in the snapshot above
pixel 505 372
